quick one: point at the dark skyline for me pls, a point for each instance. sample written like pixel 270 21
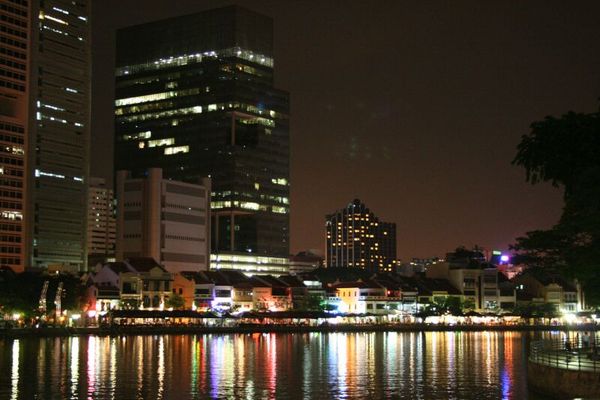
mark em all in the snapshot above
pixel 415 108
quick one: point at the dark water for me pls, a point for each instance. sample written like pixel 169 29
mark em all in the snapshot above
pixel 432 365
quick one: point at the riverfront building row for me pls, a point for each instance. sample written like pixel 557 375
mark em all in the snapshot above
pixel 142 283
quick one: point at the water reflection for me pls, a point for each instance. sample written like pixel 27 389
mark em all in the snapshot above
pixel 432 365
pixel 14 392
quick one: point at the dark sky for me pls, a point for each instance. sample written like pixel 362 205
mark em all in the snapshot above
pixel 415 107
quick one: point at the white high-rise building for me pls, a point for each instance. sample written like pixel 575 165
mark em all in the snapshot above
pixel 164 219
pixel 102 226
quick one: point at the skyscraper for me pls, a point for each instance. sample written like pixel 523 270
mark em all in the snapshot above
pixel 195 97
pixel 59 134
pixel 44 129
pixel 14 50
pixel 357 239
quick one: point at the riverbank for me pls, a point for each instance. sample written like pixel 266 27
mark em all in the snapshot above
pixel 119 330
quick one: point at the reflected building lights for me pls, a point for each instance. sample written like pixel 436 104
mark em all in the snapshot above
pixel 14 378
pixel 92 360
pixel 272 364
pixel 74 366
pixel 194 369
pixel 140 366
pixel 161 368
pixel 113 368
pixel 240 355
pixel 450 343
pixel 354 365
pixel 341 359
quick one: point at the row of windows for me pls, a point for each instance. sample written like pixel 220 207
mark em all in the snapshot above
pixel 11 161
pixel 196 58
pixel 11 204
pixel 12 42
pixel 180 207
pixel 14 21
pixel 14 195
pixel 11 183
pixel 13 32
pixel 16 150
pixel 10 261
pixel 186 238
pixel 10 250
pixel 132 236
pixel 5 126
pixel 10 239
pixel 23 3
pixel 13 10
pixel 12 139
pixel 16 54
pixel 11 172
pixel 11 85
pixel 12 64
pixel 11 74
pixel 10 228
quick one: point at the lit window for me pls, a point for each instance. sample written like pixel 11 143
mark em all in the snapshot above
pixel 175 150
pixel 161 142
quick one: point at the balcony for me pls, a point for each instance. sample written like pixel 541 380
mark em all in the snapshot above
pixel 378 298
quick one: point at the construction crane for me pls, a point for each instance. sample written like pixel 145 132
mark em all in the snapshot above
pixel 57 299
pixel 43 307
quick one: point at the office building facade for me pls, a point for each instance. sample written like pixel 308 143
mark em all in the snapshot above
pixel 44 129
pixel 195 97
pixel 163 219
pixel 15 43
pixel 101 226
pixel 356 238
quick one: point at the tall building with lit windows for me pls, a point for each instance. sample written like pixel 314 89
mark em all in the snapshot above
pixel 14 59
pixel 44 136
pixel 59 133
pixel 356 238
pixel 195 96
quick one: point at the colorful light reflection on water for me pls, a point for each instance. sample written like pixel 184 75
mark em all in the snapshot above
pixel 432 365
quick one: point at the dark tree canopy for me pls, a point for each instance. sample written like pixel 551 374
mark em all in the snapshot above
pixel 565 151
pixel 561 150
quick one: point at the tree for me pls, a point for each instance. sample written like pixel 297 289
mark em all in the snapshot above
pixel 446 305
pixel 565 152
pixel 176 302
pixel 312 302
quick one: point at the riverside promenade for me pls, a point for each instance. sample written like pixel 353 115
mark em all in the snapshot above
pixel 565 368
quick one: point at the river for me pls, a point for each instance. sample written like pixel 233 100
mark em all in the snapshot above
pixel 381 365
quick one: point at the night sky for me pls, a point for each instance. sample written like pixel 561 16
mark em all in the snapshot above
pixel 414 107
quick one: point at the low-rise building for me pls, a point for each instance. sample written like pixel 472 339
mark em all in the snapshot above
pixel 552 288
pixel 147 285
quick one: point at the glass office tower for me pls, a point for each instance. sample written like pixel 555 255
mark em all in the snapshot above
pixel 195 97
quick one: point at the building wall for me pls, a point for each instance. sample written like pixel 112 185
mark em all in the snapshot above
pixel 185 288
pixel 15 45
pixel 165 220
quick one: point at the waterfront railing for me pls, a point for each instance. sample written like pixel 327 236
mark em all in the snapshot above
pixel 566 354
